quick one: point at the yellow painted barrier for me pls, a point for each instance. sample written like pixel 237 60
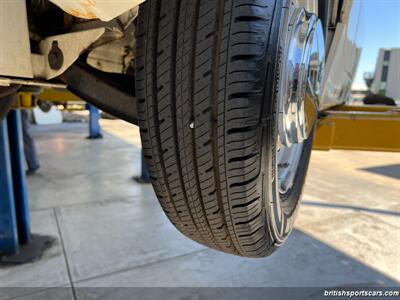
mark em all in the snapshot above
pixel 375 128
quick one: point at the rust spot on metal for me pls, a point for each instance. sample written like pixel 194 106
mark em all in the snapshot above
pixel 81 14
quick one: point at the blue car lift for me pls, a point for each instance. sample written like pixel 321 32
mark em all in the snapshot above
pixel 145 175
pixel 17 244
pixel 145 170
pixel 95 133
pixel 15 228
pixel 9 241
pixel 94 125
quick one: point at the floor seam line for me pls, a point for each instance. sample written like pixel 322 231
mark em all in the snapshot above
pixel 140 266
pixel 110 201
pixel 71 282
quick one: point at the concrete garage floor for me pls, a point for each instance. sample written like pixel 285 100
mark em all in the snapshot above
pixel 111 232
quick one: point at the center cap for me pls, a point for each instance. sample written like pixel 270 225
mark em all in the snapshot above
pixel 301 78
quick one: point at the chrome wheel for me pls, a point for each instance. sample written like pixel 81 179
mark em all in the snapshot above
pixel 301 73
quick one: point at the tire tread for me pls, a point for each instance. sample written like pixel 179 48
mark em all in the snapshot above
pixel 199 83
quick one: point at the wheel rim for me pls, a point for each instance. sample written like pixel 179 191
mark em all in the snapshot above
pixel 301 76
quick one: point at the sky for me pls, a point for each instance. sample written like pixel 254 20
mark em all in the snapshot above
pixel 379 28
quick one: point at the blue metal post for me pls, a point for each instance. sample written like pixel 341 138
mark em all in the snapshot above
pixel 18 175
pixel 8 222
pixel 94 125
pixel 145 171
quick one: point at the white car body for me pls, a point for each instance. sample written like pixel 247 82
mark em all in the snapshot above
pixel 18 61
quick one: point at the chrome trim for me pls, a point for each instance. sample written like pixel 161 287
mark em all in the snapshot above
pixel 301 76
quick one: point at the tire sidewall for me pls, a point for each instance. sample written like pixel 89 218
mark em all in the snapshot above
pixel 281 210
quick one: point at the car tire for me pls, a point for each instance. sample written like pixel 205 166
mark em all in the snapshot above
pixel 207 78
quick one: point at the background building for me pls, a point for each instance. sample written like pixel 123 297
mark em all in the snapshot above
pixel 386 78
